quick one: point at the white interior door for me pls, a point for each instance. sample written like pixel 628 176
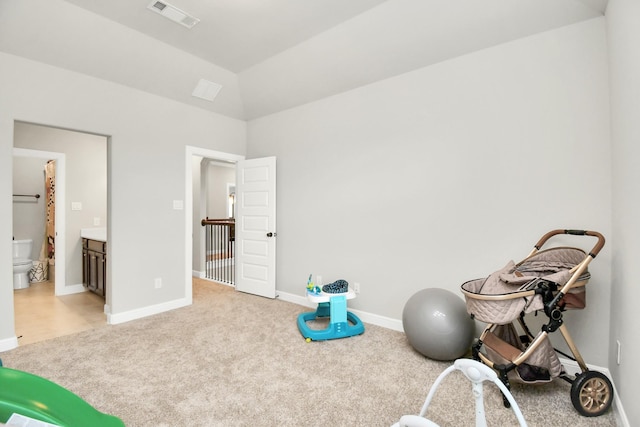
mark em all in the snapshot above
pixel 256 226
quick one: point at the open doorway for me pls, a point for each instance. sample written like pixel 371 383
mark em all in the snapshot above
pixel 198 161
pixel 255 210
pixel 218 180
pixel 40 176
pixel 56 303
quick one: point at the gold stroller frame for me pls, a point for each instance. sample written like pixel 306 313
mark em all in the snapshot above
pixel 548 281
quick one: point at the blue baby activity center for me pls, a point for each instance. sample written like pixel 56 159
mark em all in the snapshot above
pixel 332 303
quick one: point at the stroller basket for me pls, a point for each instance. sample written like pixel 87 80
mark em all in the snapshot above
pixel 503 345
pixel 552 281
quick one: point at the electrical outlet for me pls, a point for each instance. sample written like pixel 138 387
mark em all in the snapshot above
pixel 157 282
pixel 318 281
pixel 96 220
pixel 356 287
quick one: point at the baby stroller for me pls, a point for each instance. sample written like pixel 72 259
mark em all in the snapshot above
pixel 549 281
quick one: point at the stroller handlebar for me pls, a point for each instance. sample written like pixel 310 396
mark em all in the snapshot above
pixel 596 249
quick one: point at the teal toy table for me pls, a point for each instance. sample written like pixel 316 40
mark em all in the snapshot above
pixel 342 323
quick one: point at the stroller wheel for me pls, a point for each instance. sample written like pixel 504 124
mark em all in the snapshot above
pixel 591 393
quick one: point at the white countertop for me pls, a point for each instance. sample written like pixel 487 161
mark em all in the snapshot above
pixel 94 233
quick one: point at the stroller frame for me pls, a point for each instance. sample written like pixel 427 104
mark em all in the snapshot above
pixel 591 391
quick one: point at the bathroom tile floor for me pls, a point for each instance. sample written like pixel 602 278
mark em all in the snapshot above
pixel 40 315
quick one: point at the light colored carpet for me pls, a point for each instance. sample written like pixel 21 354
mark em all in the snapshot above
pixel 237 359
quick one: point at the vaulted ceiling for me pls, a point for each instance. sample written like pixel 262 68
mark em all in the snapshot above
pixel 268 55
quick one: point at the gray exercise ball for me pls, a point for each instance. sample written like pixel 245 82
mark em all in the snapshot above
pixel 437 324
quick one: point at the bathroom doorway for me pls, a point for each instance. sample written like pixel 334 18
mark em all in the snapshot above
pixel 80 202
pixel 31 220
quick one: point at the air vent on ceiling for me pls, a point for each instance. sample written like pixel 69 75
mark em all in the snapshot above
pixel 206 90
pixel 173 13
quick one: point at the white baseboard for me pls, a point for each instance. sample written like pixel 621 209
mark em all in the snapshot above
pixel 8 344
pixel 198 274
pixel 127 316
pixel 572 367
pixel 621 416
pixel 72 289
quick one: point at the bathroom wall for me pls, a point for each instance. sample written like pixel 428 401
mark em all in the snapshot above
pixel 29 214
pixel 86 179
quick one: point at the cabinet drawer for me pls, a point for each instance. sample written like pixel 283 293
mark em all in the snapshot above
pixel 94 245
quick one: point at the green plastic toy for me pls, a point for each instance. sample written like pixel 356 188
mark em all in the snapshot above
pixel 38 398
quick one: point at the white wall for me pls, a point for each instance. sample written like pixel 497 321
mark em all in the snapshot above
pixel 217 179
pixel 442 175
pixel 86 182
pixel 624 52
pixel 392 38
pixel 148 135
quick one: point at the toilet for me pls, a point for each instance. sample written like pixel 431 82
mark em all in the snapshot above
pixel 22 263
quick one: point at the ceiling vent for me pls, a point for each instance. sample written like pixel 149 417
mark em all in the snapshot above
pixel 206 90
pixel 173 13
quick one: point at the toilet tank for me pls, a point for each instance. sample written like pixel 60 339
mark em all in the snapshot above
pixel 22 248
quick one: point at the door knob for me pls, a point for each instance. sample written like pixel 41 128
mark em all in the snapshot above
pixel 270 234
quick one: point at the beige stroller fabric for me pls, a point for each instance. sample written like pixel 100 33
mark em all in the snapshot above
pixel 511 286
pixel 543 357
pixel 504 295
pixel 552 260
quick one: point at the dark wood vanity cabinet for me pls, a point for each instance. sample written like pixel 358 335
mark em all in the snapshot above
pixel 94 259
